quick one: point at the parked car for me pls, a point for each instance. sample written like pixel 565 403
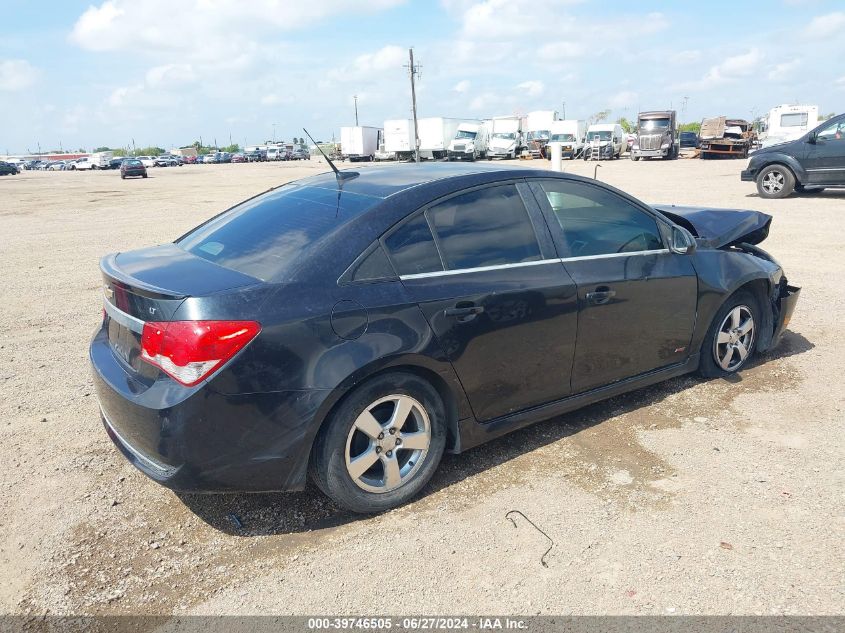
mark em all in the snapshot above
pixel 689 139
pixel 209 158
pixel 300 154
pixel 116 162
pixel 148 161
pixel 366 347
pixel 32 165
pixel 166 160
pixel 57 165
pixel 809 164
pixel 238 158
pixel 189 160
pixel 256 156
pixel 133 167
pixel 7 169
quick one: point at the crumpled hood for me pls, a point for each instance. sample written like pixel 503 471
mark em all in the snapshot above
pixel 716 228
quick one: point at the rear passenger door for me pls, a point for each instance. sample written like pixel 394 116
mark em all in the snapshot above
pixel 637 300
pixel 481 266
pixel 824 160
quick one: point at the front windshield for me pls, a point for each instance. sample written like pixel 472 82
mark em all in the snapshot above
pixel 563 137
pixel 538 135
pixel 507 136
pixel 601 135
pixel 654 125
pixel 465 134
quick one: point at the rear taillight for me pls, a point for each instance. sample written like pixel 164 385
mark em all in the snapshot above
pixel 190 351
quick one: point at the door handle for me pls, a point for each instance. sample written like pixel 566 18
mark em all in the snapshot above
pixel 600 295
pixel 464 311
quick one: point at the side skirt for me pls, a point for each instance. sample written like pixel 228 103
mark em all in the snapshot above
pixel 472 433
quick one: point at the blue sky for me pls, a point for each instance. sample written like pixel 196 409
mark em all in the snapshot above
pixel 167 72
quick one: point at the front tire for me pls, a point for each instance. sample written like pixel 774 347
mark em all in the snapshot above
pixel 732 337
pixel 382 445
pixel 775 181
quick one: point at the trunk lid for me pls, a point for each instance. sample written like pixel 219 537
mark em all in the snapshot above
pixel 149 285
pixel 717 228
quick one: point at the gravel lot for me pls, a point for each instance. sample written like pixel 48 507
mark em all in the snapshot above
pixel 694 496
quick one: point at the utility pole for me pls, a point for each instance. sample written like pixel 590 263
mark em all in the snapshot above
pixel 413 71
pixel 355 98
pixel 564 110
pixel 274 132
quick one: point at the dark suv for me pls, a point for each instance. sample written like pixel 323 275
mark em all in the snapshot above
pixel 807 165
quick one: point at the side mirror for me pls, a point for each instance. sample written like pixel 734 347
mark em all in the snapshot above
pixel 683 243
pixel 811 138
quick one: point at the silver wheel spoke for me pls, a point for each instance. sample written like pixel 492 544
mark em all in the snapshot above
pixel 735 318
pixel 743 352
pixel 361 464
pixel 368 425
pixel 745 327
pixel 723 337
pixel 415 441
pixel 392 476
pixel 401 413
pixel 725 361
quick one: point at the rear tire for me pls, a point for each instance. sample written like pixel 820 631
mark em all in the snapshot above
pixel 775 181
pixel 726 347
pixel 357 436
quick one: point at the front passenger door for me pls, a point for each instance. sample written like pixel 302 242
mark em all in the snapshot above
pixel 636 299
pixel 824 160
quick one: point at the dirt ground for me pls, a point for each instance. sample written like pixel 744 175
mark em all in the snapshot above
pixel 694 496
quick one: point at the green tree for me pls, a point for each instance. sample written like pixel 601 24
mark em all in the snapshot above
pixel 103 149
pixel 690 127
pixel 627 126
pixel 234 148
pixel 120 152
pixel 149 151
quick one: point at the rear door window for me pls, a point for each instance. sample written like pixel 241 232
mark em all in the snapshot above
pixel 412 248
pixel 485 227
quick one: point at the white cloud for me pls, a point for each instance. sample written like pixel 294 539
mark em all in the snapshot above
pixel 824 26
pixel 624 99
pixel 368 65
pixel 683 58
pixel 170 74
pixel 123 95
pixel 532 88
pixel 462 86
pixel 784 70
pixel 729 70
pixel 17 75
pixel 561 50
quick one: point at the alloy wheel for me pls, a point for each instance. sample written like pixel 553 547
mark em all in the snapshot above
pixel 388 443
pixel 773 182
pixel 734 338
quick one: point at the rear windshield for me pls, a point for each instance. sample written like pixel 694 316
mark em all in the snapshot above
pixel 264 236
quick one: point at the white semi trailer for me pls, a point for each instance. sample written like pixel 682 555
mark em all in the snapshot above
pixel 399 138
pixel 570 135
pixel 435 135
pixel 360 142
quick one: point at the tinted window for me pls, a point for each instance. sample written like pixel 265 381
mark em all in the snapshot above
pixel 412 248
pixel 833 132
pixel 599 222
pixel 265 236
pixel 484 228
pixel 375 265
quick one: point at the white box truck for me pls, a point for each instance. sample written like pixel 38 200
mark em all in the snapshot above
pixel 360 142
pixel 570 135
pixel 538 130
pixel 399 138
pixel 605 140
pixel 97 160
pixel 505 137
pixel 470 142
pixel 786 123
pixel 435 135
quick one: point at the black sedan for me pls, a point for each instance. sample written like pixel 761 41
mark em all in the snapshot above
pixel 357 326
pixel 689 139
pixel 132 167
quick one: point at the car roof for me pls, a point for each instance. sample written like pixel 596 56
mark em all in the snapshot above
pixel 387 180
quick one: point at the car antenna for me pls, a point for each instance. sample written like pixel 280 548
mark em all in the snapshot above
pixel 596 171
pixel 340 175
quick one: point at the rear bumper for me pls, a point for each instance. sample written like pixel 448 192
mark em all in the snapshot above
pixel 785 306
pixel 198 440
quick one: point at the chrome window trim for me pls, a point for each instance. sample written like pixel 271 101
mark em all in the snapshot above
pixel 558 260
pixel 126 320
